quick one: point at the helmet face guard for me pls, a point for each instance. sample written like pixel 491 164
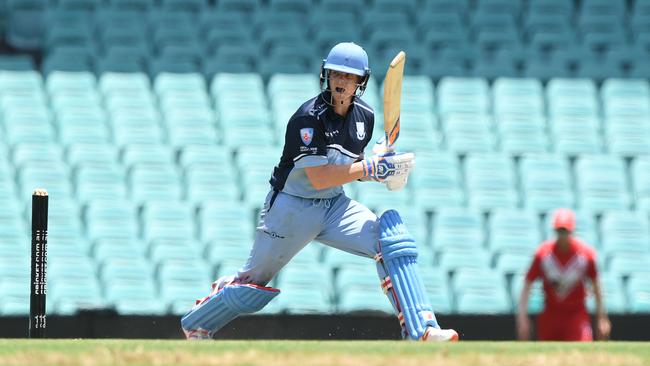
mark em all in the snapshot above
pixel 324 81
pixel 349 58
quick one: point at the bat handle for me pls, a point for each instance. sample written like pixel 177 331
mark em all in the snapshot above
pixel 381 146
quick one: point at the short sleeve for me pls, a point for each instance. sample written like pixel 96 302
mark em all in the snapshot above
pixel 535 270
pixel 371 128
pixel 304 142
pixel 592 271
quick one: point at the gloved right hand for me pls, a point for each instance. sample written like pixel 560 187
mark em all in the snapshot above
pixel 381 167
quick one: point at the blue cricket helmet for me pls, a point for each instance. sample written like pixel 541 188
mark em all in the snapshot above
pixel 350 58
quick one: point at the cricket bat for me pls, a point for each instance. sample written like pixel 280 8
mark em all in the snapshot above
pixel 392 99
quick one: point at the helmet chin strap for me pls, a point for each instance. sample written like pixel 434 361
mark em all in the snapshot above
pixel 331 99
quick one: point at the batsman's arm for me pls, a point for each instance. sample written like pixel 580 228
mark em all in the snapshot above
pixel 366 178
pixel 330 175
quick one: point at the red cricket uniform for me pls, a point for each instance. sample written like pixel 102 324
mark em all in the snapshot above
pixel 565 316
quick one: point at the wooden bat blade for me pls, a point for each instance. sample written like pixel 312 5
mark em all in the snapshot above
pixel 392 98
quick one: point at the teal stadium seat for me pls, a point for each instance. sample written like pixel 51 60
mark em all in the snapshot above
pixel 447 6
pixel 189 6
pixel 613 292
pixel 167 220
pixel 124 83
pixel 62 82
pixel 14 298
pixel 17 63
pixel 100 182
pixel 519 111
pixel 482 303
pixel 546 181
pixel 513 230
pixel 480 292
pixel 109 249
pixel 154 182
pixel 535 298
pixel 146 155
pixel 522 134
pixel 574 115
pixel 43 174
pixel 125 269
pixel 26 28
pixel 73 295
pixel 139 5
pixel 625 231
pixel 298 279
pixel 376 195
pixel 64 268
pixel 435 283
pixel 437 182
pixel 518 96
pixel 584 100
pixel 169 248
pixel 490 181
pixel 463 95
pixel 15 268
pixel 228 254
pixel 294 89
pixel 221 221
pixel 512 263
pixel 626 110
pixel 638 290
pixel 108 219
pixel 466 133
pixel 626 264
pixel 358 289
pixel 602 183
pixel 91 154
pixel 132 297
pixel 640 175
pixel 457 227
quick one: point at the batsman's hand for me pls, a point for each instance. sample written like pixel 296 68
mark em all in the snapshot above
pixel 389 166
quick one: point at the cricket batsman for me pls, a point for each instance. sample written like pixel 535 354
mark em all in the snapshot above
pixel 323 150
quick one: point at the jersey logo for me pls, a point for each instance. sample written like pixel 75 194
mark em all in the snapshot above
pixel 564 279
pixel 306 135
pixel 361 130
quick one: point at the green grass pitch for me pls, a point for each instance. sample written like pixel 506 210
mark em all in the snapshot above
pixel 353 353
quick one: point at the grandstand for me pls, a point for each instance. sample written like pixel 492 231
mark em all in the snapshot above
pixel 155 124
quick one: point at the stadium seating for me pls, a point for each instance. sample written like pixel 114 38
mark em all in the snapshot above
pixel 155 126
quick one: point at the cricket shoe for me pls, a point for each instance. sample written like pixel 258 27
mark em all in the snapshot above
pixel 197 334
pixel 439 335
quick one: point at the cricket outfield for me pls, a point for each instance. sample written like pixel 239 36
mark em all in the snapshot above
pixel 284 353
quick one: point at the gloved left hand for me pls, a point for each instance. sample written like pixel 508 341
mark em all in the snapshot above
pixel 389 166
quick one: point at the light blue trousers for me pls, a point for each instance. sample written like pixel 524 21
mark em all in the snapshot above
pixel 292 222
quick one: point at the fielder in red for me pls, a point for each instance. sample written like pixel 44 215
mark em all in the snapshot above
pixel 563 264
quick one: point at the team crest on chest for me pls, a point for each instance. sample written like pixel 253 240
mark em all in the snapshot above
pixel 306 135
pixel 361 130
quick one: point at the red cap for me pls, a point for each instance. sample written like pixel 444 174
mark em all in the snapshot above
pixel 564 218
